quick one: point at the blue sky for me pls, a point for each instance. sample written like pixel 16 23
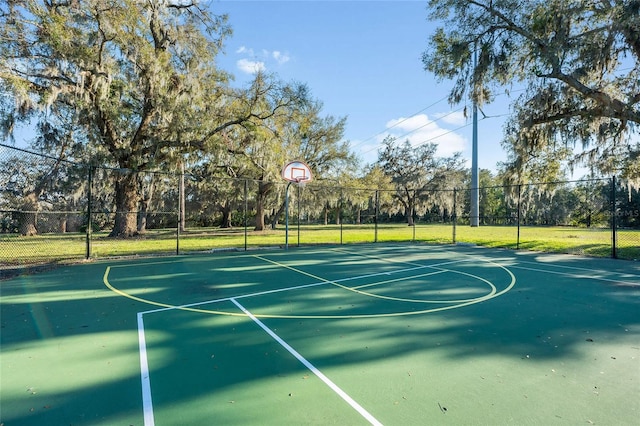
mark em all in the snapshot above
pixel 362 59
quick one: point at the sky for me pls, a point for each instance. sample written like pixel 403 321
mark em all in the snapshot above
pixel 363 60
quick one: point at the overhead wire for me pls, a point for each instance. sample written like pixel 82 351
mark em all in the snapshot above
pixel 430 122
pixel 420 127
pixel 399 122
pixel 424 125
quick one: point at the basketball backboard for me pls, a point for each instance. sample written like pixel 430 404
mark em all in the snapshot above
pixel 297 172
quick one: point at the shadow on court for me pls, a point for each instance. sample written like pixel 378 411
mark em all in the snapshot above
pixel 562 345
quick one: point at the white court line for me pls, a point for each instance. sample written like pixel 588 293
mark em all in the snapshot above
pixel 519 261
pixel 426 274
pixel 278 290
pixel 311 367
pixel 602 271
pixel 569 274
pixel 147 403
pixel 226 299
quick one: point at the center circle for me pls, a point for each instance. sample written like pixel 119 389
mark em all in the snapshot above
pixel 449 304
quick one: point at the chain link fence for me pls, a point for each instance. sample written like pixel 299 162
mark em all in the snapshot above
pixel 54 210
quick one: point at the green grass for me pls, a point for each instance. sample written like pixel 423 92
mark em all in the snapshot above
pixel 593 242
pixel 17 250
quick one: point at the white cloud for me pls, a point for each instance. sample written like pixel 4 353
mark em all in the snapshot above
pixel 252 62
pixel 456 118
pixel 420 129
pixel 280 57
pixel 250 67
pixel 244 49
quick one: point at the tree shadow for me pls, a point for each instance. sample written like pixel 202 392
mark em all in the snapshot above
pixel 69 331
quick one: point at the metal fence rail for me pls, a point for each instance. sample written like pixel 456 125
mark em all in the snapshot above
pixel 53 210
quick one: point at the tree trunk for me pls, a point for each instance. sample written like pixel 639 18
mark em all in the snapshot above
pixel 27 218
pixel 226 215
pixel 142 215
pixel 409 214
pixel 27 223
pixel 276 216
pixel 145 202
pixel 263 190
pixel 126 202
pixel 259 216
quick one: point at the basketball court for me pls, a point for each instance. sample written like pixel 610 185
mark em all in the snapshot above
pixel 404 334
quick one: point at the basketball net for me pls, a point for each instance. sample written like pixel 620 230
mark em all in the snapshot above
pixel 301 182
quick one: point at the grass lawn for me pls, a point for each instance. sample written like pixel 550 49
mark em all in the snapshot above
pixel 17 250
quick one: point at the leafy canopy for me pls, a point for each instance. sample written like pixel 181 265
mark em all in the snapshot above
pixel 579 61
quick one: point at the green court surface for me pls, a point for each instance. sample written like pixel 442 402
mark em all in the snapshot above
pixel 404 334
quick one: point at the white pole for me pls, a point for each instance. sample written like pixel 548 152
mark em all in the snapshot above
pixel 475 193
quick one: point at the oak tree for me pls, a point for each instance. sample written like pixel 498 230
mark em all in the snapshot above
pixel 578 60
pixel 141 77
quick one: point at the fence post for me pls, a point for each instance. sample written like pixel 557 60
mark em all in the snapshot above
pixel 341 213
pixel 375 218
pixel 178 228
pixel 614 253
pixel 518 217
pixel 89 221
pixel 454 216
pixel 413 217
pixel 246 209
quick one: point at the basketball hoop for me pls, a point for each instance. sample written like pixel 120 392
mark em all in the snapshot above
pixel 297 172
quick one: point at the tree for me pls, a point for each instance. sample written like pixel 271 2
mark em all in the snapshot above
pixel 217 186
pixel 627 201
pixel 140 76
pixel 322 147
pixel 28 183
pixel 417 173
pixel 578 59
pixel 492 203
pixel 52 181
pixel 262 150
pixel 364 189
pixel 300 133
